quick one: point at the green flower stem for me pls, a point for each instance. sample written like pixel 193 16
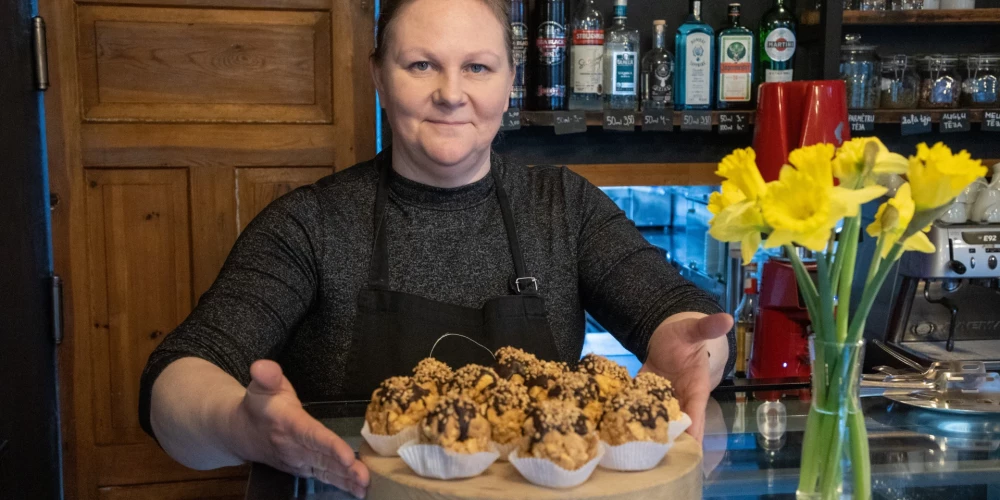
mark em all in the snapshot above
pixel 838 262
pixel 824 327
pixel 847 278
pixel 811 459
pixel 871 290
pixel 876 260
pixel 860 459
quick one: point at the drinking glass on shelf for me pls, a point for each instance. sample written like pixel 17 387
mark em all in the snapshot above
pixel 958 4
pixel 907 4
pixel 873 4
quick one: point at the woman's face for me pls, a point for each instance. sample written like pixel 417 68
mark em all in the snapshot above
pixel 445 82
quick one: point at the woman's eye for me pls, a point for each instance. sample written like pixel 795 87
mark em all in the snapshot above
pixel 477 68
pixel 421 66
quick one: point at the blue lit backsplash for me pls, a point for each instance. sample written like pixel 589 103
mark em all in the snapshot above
pixel 675 220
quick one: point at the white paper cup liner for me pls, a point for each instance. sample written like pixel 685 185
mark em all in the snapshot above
pixel 505 449
pixel 677 427
pixel 388 446
pixel 634 456
pixel 545 473
pixel 431 460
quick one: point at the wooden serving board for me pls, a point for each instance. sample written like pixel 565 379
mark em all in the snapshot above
pixel 678 476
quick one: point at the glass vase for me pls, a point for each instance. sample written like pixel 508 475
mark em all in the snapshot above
pixel 835 460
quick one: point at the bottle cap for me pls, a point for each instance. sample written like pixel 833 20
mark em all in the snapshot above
pixel 621 2
pixel 659 22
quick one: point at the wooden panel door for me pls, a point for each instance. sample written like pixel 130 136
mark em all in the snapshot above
pixel 171 124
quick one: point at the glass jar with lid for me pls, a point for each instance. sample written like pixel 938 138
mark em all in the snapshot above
pixel 859 68
pixel 979 85
pixel 940 84
pixel 900 83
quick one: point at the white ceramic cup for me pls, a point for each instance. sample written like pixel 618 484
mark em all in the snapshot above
pixel 985 203
pixel 957 213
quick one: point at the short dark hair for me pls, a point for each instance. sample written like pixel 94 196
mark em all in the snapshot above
pixel 500 8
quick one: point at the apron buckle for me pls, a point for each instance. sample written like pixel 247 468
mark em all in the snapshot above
pixel 522 285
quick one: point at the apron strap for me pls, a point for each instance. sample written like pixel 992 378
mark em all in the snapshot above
pixel 378 270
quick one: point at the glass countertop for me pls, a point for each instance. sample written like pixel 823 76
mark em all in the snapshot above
pixel 915 454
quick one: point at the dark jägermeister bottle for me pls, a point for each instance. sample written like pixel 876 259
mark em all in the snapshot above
pixel 736 75
pixel 658 71
pixel 519 40
pixel 694 72
pixel 777 43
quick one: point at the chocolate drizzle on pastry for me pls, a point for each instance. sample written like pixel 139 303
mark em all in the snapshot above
pixel 641 407
pixel 473 376
pixel 576 387
pixel 507 396
pixel 458 407
pixel 654 384
pixel 513 361
pixel 599 365
pixel 430 370
pixel 400 390
pixel 557 416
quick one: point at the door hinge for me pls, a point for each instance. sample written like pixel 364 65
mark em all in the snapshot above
pixel 57 312
pixel 41 53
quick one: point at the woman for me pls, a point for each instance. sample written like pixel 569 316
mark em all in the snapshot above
pixel 353 278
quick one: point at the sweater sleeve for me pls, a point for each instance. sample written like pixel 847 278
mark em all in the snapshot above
pixel 265 288
pixel 625 282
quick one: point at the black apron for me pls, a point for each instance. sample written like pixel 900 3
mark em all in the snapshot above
pixel 393 330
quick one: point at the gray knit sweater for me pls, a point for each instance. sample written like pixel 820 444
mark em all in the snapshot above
pixel 288 290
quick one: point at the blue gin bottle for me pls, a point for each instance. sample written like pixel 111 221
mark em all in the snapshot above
pixel 694 75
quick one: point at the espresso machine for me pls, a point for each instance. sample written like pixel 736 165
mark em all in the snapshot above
pixel 947 304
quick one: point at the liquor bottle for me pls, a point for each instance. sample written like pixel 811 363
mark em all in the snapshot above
pixel 694 72
pixel 551 42
pixel 658 71
pixel 746 319
pixel 777 43
pixel 736 75
pixel 519 39
pixel 621 62
pixel 586 57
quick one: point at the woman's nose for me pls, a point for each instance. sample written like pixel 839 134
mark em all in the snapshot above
pixel 450 92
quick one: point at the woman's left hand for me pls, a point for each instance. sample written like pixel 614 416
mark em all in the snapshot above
pixel 691 350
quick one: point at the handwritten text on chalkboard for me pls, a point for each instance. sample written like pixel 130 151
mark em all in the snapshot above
pixel 991 121
pixel 696 121
pixel 862 122
pixel 569 122
pixel 658 120
pixel 915 123
pixel 955 121
pixel 734 123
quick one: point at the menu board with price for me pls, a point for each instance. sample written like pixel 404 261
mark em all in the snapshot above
pixel 954 121
pixel 700 121
pixel 622 120
pixel 734 123
pixel 991 121
pixel 569 122
pixel 915 123
pixel 861 122
pixel 511 120
pixel 658 120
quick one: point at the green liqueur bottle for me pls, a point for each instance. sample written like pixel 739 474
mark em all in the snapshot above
pixel 777 43
pixel 735 58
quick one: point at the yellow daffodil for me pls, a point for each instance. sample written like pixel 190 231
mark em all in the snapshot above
pixel 891 221
pixel 728 195
pixel 736 206
pixel 937 176
pixel 803 206
pixel 849 165
pixel 740 168
pixel 740 222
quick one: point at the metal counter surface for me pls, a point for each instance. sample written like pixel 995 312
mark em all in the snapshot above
pixel 916 454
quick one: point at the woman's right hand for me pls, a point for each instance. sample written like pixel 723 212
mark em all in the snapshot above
pixel 277 431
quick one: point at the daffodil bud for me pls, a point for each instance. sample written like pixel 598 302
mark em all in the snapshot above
pixel 871 154
pixel 890 219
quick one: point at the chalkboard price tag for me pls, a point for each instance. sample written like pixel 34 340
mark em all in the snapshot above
pixel 915 123
pixel 862 122
pixel 991 121
pixel 734 123
pixel 511 120
pixel 658 120
pixel 954 121
pixel 622 120
pixel 569 122
pixel 700 121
